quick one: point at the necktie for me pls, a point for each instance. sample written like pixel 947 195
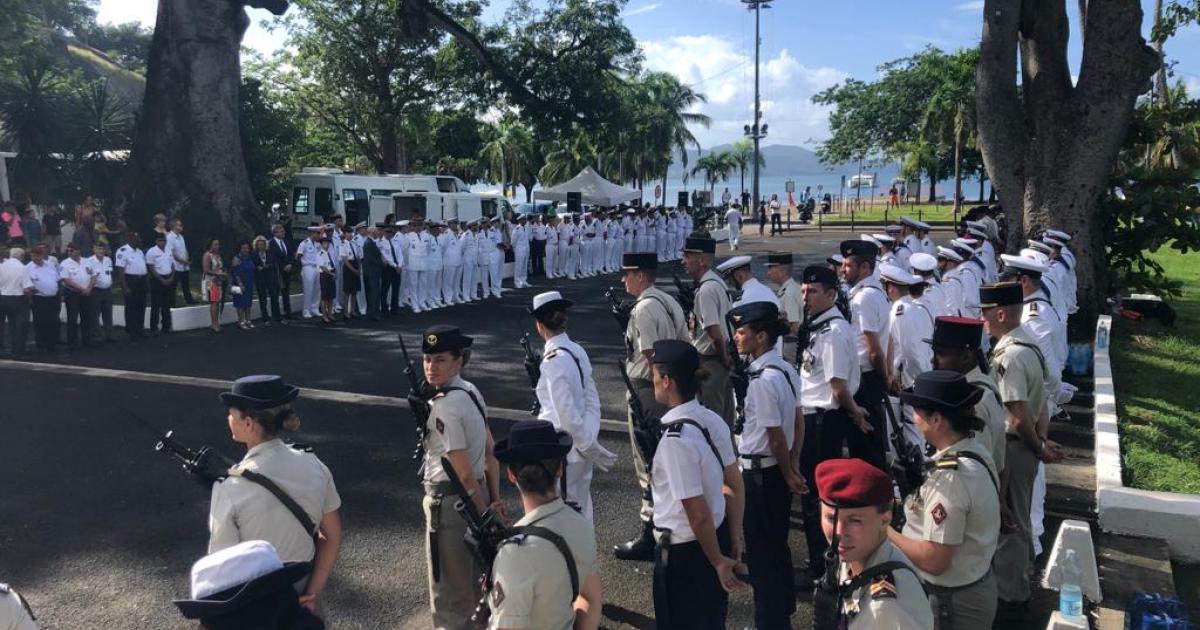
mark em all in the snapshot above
pixel 393 246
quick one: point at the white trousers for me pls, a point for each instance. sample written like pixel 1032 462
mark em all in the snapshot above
pixel 1037 509
pixel 521 266
pixel 451 283
pixel 627 243
pixel 643 243
pixel 660 242
pixel 482 271
pixel 339 291
pixel 560 268
pixel 579 486
pixel 735 235
pixel 584 265
pixel 572 267
pixel 600 255
pixel 551 260
pixel 433 286
pixel 310 281
pixel 496 273
pixel 466 284
pixel 407 294
pixel 361 297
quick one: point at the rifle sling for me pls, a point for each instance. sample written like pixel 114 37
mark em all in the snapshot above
pixel 703 431
pixel 871 573
pixel 284 498
pixel 578 365
pixel 468 392
pixel 560 544
pixel 661 303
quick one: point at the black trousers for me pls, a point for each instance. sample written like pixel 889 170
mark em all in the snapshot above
pixel 285 291
pixel 872 447
pixel 181 277
pixel 80 317
pixel 372 288
pixel 161 298
pixel 389 290
pixel 776 224
pixel 15 310
pixel 687 592
pixel 45 321
pixel 102 305
pixel 268 295
pixel 768 512
pixel 824 434
pixel 135 306
pixel 537 256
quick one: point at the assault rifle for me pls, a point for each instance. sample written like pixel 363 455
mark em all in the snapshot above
pixel 645 432
pixel 685 295
pixel 205 464
pixel 828 595
pixel 533 368
pixel 418 400
pixel 739 378
pixel 622 311
pixel 485 532
pixel 908 468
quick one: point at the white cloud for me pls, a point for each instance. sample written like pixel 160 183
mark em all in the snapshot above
pixel 1192 83
pixel 714 66
pixel 646 8
pixel 969 7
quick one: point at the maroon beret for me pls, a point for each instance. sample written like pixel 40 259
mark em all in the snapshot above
pixel 852 483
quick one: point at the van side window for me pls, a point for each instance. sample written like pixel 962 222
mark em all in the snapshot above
pixel 324 202
pixel 356 205
pixel 300 200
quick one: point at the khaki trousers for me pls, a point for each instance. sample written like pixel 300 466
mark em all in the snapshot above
pixel 1014 554
pixel 456 591
pixel 971 608
pixel 716 393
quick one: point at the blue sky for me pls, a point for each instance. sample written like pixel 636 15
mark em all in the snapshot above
pixel 807 46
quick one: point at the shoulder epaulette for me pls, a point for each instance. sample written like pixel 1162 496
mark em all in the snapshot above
pixel 899 309
pixel 949 461
pixel 550 355
pixel 883 586
pixel 674 430
pixel 1033 308
pixel 4 590
pixel 439 395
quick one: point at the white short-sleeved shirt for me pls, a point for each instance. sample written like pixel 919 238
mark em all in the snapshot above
pixel 455 424
pixel 160 261
pixel 242 510
pixel 1047 327
pixel 755 291
pixel 310 252
pixel 14 278
pixel 830 354
pixel 568 396
pixel 909 324
pixel 177 247
pixel 685 466
pixel 132 260
pixel 869 311
pixel 101 269
pixel 710 307
pixel 771 401
pixel 76 272
pixel 934 298
pixel 13 615
pixel 44 278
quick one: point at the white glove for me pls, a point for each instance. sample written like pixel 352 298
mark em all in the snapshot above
pixel 1066 392
pixel 601 457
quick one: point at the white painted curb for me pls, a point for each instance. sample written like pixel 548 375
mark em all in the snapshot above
pixel 1169 516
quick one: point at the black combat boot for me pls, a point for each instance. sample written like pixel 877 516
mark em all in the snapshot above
pixel 641 548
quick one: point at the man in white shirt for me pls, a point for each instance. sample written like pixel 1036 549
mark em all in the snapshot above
pixel 101 268
pixel 180 260
pixel 451 263
pixel 130 263
pixel 520 241
pixel 433 273
pixel 733 220
pixel 15 289
pixel 309 254
pixel 468 242
pixel 869 316
pixel 496 258
pixel 390 281
pixel 162 284
pixel 78 283
pixel 740 276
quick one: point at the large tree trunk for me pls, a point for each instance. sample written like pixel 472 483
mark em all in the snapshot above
pixel 1050 147
pixel 187 155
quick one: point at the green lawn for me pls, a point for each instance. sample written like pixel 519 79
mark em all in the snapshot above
pixel 876 214
pixel 1156 372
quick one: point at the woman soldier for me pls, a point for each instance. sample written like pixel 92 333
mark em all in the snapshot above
pixel 694 468
pixel 244 505
pixel 567 394
pixel 954 519
pixel 457 431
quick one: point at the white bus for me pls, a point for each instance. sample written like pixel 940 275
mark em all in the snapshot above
pixel 318 193
pixel 445 206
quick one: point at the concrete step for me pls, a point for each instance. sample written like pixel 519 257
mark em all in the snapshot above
pixel 1129 565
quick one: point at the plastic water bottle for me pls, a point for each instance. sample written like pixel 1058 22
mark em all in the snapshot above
pixel 1070 595
pixel 1102 338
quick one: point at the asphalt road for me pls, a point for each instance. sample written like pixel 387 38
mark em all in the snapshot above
pixel 99 531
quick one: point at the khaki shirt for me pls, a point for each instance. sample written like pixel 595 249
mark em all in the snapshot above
pixel 892 601
pixel 1019 372
pixel 455 424
pixel 791 302
pixel 532 587
pixel 655 316
pixel 242 510
pixel 710 308
pixel 958 505
pixel 13 615
pixel 991 411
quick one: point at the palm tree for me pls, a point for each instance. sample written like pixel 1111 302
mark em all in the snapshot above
pixel 716 167
pixel 673 100
pixel 30 119
pixel 509 154
pixel 566 157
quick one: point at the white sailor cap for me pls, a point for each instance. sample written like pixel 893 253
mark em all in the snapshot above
pixel 922 225
pixel 1023 263
pixel 631 211
pixel 836 259
pixel 733 263
pixel 1053 242
pixel 1040 246
pixel 549 299
pixel 1058 234
pixel 977 231
pixel 948 254
pixel 965 248
pixel 883 239
pixel 975 224
pixel 361 225
pixel 274 206
pixel 922 262
pixel 970 243
pixel 894 228
pixel 403 223
pixel 316 228
pixel 869 238
pixel 495 219
pixel 910 222
pixel 896 275
pixel 564 215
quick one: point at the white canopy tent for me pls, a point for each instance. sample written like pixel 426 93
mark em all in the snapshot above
pixel 594 189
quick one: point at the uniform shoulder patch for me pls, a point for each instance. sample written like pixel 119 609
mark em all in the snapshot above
pixel 675 430
pixel 883 586
pixel 1033 309
pixel 949 461
pixel 899 309
pixel 441 426
pixel 497 594
pixel 439 395
pixel 938 513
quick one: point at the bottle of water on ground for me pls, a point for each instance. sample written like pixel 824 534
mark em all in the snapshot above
pixel 1070 594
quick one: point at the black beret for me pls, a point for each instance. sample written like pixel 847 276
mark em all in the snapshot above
pixel 821 274
pixel 961 333
pixel 779 258
pixel 700 245
pixel 634 261
pixel 860 248
pixel 444 338
pixel 1001 294
pixel 754 313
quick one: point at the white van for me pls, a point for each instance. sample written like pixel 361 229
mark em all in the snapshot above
pixel 318 193
pixel 444 206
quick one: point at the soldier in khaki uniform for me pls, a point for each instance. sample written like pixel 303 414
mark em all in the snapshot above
pixel 655 316
pixel 457 430
pixel 1021 373
pixel 260 411
pixel 879 590
pixel 956 347
pixel 15 613
pixel 791 299
pixel 952 521
pixel 532 584
pixel 710 333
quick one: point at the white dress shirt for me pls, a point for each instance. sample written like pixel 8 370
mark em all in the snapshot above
pixel 685 467
pixel 44 278
pixel 132 260
pixel 14 279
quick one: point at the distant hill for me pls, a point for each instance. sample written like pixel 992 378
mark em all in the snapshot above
pixel 789 161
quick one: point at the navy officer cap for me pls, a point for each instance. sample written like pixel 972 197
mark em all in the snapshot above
pixel 679 356
pixel 753 313
pixel 819 274
pixel 859 248
pixel 444 338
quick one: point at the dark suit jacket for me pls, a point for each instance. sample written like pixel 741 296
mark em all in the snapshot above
pixel 372 261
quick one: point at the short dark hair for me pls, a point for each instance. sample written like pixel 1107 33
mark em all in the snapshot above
pixel 774 329
pixel 858 260
pixel 554 319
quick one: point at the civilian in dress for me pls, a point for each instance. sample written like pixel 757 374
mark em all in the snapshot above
pixel 100 265
pixel 212 283
pixel 162 284
pixel 242 284
pixel 182 262
pixel 327 266
pixel 266 280
pixel 78 282
pixel 15 289
pixel 351 262
pixel 131 269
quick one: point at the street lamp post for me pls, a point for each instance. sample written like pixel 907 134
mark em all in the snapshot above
pixel 757 131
